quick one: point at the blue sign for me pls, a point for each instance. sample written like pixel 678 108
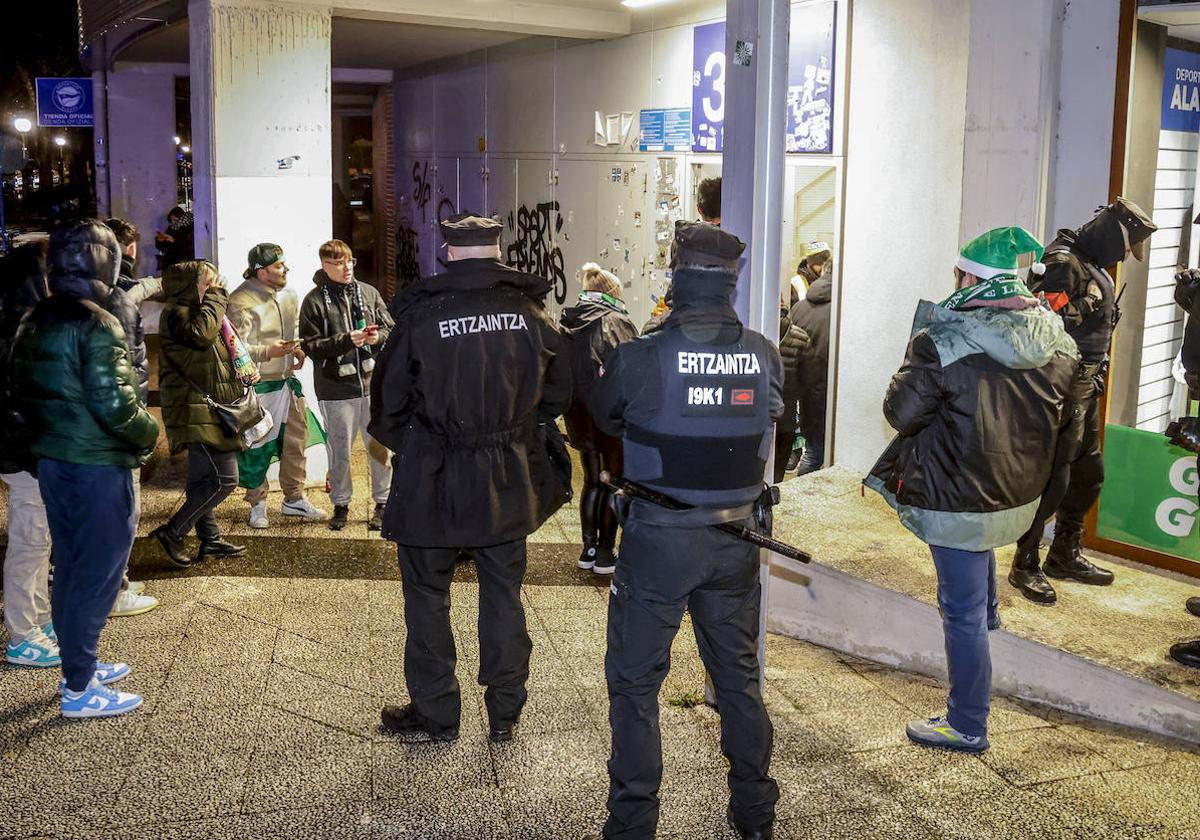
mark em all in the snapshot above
pixel 666 130
pixel 810 79
pixel 1181 91
pixel 65 102
pixel 708 87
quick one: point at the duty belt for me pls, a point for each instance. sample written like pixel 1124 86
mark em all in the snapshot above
pixel 479 440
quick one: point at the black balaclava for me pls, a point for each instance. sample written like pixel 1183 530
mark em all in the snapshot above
pixel 1102 239
pixel 84 260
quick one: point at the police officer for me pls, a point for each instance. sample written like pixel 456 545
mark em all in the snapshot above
pixel 694 403
pixel 1077 287
pixel 465 395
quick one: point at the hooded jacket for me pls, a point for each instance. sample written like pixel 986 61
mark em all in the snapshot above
pixel 1074 260
pixel 71 373
pixel 811 314
pixel 341 371
pixel 978 404
pixel 466 394
pixel 593 329
pixel 263 315
pixel 125 303
pixel 22 287
pixel 194 359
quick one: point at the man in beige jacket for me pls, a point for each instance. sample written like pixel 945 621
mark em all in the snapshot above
pixel 264 313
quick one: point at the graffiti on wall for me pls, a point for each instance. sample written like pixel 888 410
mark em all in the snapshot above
pixel 421 189
pixel 445 210
pixel 408 251
pixel 533 248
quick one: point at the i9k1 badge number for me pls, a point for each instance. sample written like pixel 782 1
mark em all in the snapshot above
pixel 732 397
pixel 706 396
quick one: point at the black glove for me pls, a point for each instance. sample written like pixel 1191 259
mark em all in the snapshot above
pixel 1185 433
pixel 1088 306
pixel 1186 283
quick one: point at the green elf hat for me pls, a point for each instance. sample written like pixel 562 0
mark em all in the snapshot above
pixel 994 255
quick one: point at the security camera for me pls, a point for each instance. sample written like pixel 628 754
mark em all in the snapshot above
pixel 286 163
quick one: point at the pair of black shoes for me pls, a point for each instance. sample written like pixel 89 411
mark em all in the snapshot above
pixel 762 832
pixel 341 515
pixel 1029 575
pixel 406 720
pixel 1188 653
pixel 174 549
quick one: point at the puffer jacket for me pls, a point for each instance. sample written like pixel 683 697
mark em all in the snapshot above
pixel 262 315
pixel 125 303
pixel 593 328
pixel 71 373
pixel 811 314
pixel 193 358
pixel 979 403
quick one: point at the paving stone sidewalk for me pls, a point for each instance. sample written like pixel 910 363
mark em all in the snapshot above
pixel 262 701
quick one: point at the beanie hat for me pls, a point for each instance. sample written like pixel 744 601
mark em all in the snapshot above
pixel 995 253
pixel 596 279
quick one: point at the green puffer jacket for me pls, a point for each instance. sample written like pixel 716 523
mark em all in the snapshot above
pixel 76 385
pixel 191 347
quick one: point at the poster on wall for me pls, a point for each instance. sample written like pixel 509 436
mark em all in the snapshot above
pixel 665 130
pixel 708 87
pixel 64 102
pixel 1181 91
pixel 810 79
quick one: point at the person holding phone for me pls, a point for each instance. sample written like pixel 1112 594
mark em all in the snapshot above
pixel 343 326
pixel 265 314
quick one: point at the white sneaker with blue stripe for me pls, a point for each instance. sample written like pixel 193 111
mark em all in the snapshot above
pixel 97 700
pixel 110 672
pixel 48 629
pixel 36 651
pixel 937 732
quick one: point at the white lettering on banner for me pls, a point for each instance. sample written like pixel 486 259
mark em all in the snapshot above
pixel 706 396
pixel 716 364
pixel 1180 101
pixel 1187 74
pixel 492 322
pixel 715 68
pixel 1176 517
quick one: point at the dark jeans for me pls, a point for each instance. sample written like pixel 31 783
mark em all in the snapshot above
pixel 814 454
pixel 212 476
pixel 665 570
pixel 596 515
pixel 967 599
pixel 1078 472
pixel 92 517
pixel 504 643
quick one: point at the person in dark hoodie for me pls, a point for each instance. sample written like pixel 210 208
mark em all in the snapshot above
pixel 27 555
pixel 1079 288
pixel 979 403
pixel 594 327
pixel 74 383
pixel 466 395
pixel 811 314
pixel 343 325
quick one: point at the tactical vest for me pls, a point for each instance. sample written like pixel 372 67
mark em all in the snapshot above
pixel 1094 335
pixel 707 439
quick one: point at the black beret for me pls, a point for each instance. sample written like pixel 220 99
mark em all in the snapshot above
pixel 470 229
pixel 704 244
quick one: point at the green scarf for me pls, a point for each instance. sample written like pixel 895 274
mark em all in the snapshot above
pixel 1000 287
pixel 603 299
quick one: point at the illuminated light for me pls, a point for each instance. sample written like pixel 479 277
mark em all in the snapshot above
pixel 22 124
pixel 185 149
pixel 176 139
pixel 60 141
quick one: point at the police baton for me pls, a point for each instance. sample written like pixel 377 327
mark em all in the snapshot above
pixel 639 491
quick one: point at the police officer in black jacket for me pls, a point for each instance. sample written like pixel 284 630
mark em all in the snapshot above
pixel 465 394
pixel 1077 287
pixel 694 403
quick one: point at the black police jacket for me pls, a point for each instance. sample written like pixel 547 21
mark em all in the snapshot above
pixel 695 402
pixel 1074 261
pixel 465 394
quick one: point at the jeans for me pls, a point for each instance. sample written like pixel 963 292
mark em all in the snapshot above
pixel 93 518
pixel 27 558
pixel 344 420
pixel 967 599
pixel 212 475
pixel 813 457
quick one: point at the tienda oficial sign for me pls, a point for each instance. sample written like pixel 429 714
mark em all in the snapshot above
pixel 65 102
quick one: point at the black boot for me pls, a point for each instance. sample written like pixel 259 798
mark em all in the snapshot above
pixel 375 523
pixel 340 514
pixel 1193 606
pixel 219 548
pixel 1187 653
pixel 1064 561
pixel 172 546
pixel 762 832
pixel 406 720
pixel 1028 578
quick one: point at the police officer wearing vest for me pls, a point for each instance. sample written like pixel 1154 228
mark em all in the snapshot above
pixel 694 404
pixel 1077 287
pixel 465 394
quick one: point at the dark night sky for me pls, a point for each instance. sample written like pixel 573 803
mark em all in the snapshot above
pixel 37 38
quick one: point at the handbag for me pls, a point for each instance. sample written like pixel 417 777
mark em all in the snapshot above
pixel 243 418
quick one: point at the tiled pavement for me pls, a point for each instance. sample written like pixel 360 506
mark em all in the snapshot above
pixel 262 698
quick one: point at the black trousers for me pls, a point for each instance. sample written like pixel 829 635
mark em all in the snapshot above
pixel 1078 473
pixel 212 475
pixel 596 515
pixel 504 643
pixel 663 571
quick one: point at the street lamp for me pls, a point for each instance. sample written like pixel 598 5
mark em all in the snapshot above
pixel 61 142
pixel 23 127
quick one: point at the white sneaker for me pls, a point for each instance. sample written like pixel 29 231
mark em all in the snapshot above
pixel 258 515
pixel 130 603
pixel 304 508
pixel 137 587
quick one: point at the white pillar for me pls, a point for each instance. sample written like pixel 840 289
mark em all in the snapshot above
pixel 261 95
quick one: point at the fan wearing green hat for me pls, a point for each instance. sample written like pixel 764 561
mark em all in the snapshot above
pixel 1078 287
pixel 978 404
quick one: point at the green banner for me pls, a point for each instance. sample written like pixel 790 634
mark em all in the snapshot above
pixel 1149 496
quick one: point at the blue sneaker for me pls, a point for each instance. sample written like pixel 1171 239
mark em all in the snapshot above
pixel 937 732
pixel 35 652
pixel 97 700
pixel 110 672
pixel 48 629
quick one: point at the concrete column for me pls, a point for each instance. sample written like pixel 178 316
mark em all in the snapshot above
pixel 903 195
pixel 141 160
pixel 261 95
pixel 752 166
